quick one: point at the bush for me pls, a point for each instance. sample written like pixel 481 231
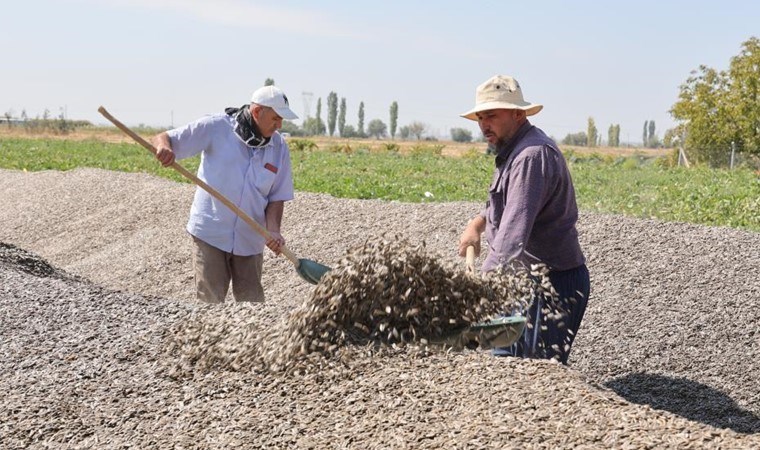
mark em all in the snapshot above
pixel 349 132
pixel 461 135
pixel 580 139
pixel 391 147
pixel 340 148
pixel 418 150
pixel 377 129
pixel 302 145
pixel 473 153
pixel 291 128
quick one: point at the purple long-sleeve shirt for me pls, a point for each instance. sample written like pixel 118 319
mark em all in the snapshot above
pixel 531 211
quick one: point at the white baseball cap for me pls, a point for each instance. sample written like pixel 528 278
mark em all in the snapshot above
pixel 500 92
pixel 274 98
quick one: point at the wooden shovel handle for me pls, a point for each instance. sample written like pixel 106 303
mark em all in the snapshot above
pixel 470 259
pixel 216 194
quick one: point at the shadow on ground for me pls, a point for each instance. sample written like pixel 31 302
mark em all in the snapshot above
pixel 686 398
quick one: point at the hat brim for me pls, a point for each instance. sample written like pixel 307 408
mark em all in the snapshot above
pixel 529 108
pixel 285 113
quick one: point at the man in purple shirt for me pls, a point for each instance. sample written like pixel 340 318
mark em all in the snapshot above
pixel 530 217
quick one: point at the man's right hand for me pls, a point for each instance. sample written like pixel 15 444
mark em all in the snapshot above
pixel 471 236
pixel 165 155
pixel 163 146
pixel 464 243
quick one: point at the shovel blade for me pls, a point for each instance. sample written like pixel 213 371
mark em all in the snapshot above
pixel 311 271
pixel 500 332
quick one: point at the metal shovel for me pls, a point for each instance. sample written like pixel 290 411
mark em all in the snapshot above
pixel 498 332
pixel 309 270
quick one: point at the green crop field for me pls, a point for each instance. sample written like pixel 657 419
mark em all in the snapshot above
pixel 632 185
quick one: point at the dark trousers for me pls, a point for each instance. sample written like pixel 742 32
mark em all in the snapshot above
pixel 552 338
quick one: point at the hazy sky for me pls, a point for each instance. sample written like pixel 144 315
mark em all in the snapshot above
pixel 164 62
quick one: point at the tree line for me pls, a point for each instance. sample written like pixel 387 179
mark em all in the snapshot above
pixel 45 123
pixel 335 124
pixel 716 111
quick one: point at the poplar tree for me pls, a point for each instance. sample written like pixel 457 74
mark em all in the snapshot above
pixel 611 136
pixel 644 137
pixel 394 119
pixel 592 132
pixel 314 126
pixel 332 112
pixel 342 116
pixel 360 125
pixel 319 124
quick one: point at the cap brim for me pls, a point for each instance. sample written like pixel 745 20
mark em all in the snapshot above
pixel 285 113
pixel 529 108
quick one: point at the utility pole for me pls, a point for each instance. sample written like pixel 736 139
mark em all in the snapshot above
pixel 307 97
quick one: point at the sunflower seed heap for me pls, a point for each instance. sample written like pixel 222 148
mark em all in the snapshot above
pixel 23 260
pixel 386 292
pixel 667 356
pixel 393 292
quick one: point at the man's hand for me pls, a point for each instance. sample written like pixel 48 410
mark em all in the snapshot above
pixel 465 242
pixel 164 151
pixel 165 155
pixel 471 236
pixel 276 242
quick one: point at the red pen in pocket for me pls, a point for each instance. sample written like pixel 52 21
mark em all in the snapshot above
pixel 270 168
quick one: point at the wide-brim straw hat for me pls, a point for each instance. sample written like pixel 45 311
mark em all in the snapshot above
pixel 500 92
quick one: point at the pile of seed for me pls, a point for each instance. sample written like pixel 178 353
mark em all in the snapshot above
pixel 385 292
pixel 83 370
pixel 667 355
pixel 18 258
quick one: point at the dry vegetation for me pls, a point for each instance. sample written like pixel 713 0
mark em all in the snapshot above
pixel 449 148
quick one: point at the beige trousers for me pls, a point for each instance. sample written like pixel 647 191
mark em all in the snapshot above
pixel 214 269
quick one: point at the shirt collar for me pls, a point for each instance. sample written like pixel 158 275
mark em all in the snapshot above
pixel 507 148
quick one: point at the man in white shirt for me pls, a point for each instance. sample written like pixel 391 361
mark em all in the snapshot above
pixel 244 158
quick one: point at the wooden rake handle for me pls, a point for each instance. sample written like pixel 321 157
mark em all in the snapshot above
pixel 216 194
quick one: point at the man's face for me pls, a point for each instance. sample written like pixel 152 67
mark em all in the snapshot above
pixel 267 119
pixel 499 125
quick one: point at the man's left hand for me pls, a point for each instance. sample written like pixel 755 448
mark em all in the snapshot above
pixel 276 242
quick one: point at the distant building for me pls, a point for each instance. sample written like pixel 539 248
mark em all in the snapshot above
pixel 12 121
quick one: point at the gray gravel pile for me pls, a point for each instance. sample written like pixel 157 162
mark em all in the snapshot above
pixel 667 355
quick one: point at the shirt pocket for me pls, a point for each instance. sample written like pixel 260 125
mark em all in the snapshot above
pixel 495 207
pixel 496 195
pixel 263 179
